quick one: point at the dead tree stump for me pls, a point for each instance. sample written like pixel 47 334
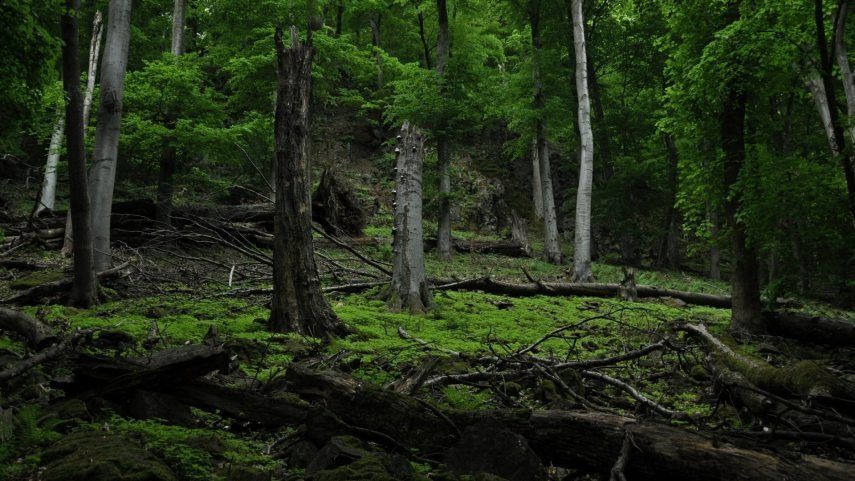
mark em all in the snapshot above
pixel 409 289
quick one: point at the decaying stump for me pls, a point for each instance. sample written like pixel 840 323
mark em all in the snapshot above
pixel 298 302
pixel 336 208
pixel 409 288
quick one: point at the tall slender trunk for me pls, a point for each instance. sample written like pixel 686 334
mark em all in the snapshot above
pixel 169 154
pixel 827 75
pixel 103 170
pixel 582 251
pixel 47 196
pixel 536 183
pixel 669 250
pixel 94 51
pixel 746 312
pixel 551 247
pixel 374 22
pixel 409 289
pixel 849 90
pixel 715 250
pixel 178 16
pixel 423 38
pixel 298 303
pixel 443 143
pixel 339 14
pixel 85 289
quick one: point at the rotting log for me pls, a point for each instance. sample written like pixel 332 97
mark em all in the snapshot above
pixel 39 293
pixel 588 441
pixel 37 333
pixel 805 379
pixel 806 327
pixel 503 248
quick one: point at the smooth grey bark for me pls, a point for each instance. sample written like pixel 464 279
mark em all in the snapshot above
pixel 47 196
pixel 103 170
pixel 551 247
pixel 298 304
pixel 94 55
pixel 817 89
pixel 443 143
pixel 84 291
pixel 536 185
pixel 178 15
pixel 582 239
pixel 409 289
pixel 846 71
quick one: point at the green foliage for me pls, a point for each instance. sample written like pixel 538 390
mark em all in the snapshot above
pixel 21 435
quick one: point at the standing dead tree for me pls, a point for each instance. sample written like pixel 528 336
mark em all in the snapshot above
pixel 409 289
pixel 298 302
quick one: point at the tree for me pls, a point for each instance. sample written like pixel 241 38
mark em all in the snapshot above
pixel 582 250
pixel 409 289
pixel 552 250
pixel 443 146
pixel 163 213
pixel 298 303
pixel 105 153
pixel 85 289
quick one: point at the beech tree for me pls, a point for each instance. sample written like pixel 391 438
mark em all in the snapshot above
pixel 105 153
pixel 443 145
pixel 298 303
pixel 582 250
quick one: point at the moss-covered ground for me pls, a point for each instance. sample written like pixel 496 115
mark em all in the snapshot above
pixel 472 323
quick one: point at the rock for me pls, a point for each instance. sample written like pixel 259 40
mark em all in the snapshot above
pixel 349 458
pixel 244 473
pixel 151 405
pixel 488 447
pixel 99 456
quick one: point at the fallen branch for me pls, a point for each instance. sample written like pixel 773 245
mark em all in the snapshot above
pixel 67 344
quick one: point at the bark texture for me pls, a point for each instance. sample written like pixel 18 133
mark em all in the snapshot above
pixel 552 250
pixel 178 15
pixel 84 292
pixel 298 303
pixel 582 238
pixel 746 312
pixel 47 196
pixel 94 55
pixel 409 289
pixel 443 144
pixel 103 169
pixel 536 183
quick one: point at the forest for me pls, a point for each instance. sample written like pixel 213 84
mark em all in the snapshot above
pixel 453 240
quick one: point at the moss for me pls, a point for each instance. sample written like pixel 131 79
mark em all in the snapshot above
pixel 368 468
pixel 35 279
pixel 99 456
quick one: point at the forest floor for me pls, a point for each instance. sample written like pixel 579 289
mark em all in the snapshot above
pixel 186 296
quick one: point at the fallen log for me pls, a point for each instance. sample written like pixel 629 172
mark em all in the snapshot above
pixel 37 333
pixel 503 248
pixel 56 350
pixel 56 288
pixel 806 327
pixel 588 441
pixel 490 286
pixel 804 379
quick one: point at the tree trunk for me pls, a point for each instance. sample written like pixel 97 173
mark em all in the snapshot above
pixel 423 37
pixel 103 170
pixel 536 183
pixel 715 250
pixel 178 15
pixel 443 145
pixel 849 90
pixel 94 55
pixel 47 197
pixel 374 22
pixel 339 14
pixel 408 289
pixel 94 50
pixel 827 76
pixel 552 250
pixel 167 164
pixel 85 289
pixel 298 303
pixel 582 250
pixel 745 288
pixel 669 250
